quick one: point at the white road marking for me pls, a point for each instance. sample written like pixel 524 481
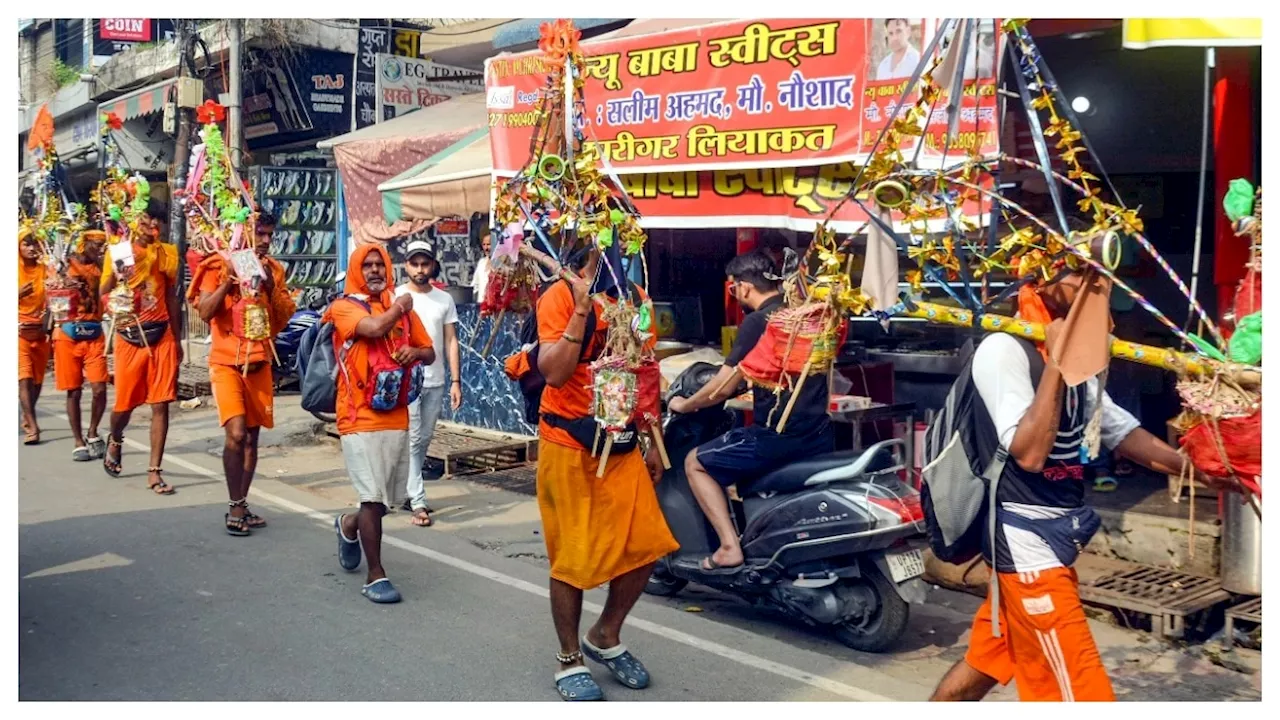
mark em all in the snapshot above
pixel 743 658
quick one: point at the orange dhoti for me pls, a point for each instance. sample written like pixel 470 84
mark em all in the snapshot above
pixel 146 375
pixel 1044 642
pixel 78 361
pixel 236 393
pixel 597 529
pixel 33 359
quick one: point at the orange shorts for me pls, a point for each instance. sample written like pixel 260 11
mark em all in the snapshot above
pixel 1044 642
pixel 75 361
pixel 146 375
pixel 33 359
pixel 238 394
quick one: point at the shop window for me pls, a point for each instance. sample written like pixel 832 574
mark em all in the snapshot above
pixel 68 39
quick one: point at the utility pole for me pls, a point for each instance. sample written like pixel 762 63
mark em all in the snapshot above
pixel 235 124
pixel 181 154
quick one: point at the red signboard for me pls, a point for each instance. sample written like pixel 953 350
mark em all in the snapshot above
pixel 784 198
pixel 125 29
pixel 744 94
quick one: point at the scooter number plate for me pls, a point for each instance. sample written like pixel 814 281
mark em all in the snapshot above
pixel 905 565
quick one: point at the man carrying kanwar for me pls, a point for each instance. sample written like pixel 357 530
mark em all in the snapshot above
pixel 598 530
pixel 380 346
pixel 244 319
pixel 80 347
pixel 33 340
pixel 142 297
pixel 1048 428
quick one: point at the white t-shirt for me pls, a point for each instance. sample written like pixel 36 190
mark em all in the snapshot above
pixel 480 280
pixel 435 309
pixel 889 71
pixel 1002 376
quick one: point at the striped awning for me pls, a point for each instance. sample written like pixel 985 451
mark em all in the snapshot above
pixel 140 102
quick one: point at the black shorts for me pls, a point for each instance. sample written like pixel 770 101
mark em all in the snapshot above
pixel 744 454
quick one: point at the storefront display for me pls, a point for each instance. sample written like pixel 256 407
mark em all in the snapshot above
pixel 305 204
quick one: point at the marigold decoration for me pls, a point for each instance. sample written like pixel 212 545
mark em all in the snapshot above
pixel 58 222
pixel 210 112
pixel 112 121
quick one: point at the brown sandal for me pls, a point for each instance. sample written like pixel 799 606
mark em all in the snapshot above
pixel 254 521
pixel 159 488
pixel 420 521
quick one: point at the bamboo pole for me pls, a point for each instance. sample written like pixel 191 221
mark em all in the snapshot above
pixel 1164 358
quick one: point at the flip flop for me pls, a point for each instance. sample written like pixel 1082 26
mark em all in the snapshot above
pixel 625 667
pixel 33 438
pixel 429 520
pixel 1104 484
pixel 577 685
pixel 81 454
pixel 348 550
pixel 381 592
pixel 162 487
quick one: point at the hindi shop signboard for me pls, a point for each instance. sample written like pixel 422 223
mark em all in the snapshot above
pixel 744 94
pixel 407 84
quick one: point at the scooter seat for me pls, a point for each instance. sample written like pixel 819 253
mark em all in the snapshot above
pixel 792 477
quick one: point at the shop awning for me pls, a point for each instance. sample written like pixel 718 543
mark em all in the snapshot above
pixel 454 181
pixel 1143 33
pixel 140 102
pixel 527 30
pixel 461 112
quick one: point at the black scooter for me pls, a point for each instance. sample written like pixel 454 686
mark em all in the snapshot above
pixel 833 540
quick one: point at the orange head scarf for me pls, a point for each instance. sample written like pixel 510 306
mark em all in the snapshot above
pixel 31 307
pixel 355 284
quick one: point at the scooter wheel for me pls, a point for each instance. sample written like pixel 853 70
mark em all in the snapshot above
pixel 663 584
pixel 887 622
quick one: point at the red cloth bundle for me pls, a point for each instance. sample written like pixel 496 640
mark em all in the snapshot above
pixel 780 350
pixel 1242 441
pixel 648 395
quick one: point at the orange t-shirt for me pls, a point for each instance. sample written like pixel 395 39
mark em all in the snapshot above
pixel 226 348
pixel 31 308
pixel 88 278
pixel 354 371
pixel 573 399
pixel 155 271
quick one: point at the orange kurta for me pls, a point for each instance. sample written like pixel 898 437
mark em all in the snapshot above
pixel 147 375
pixel 353 411
pixel 240 370
pixel 75 361
pixel 596 529
pixel 33 342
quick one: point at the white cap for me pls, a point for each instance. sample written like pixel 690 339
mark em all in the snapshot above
pixel 420 245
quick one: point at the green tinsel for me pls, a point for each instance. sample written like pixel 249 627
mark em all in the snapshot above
pixel 1245 345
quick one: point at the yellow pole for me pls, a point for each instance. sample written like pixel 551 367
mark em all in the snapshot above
pixel 1181 363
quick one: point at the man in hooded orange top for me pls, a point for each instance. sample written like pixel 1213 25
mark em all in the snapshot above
pixel 80 348
pixel 240 363
pixel 598 530
pixel 372 334
pixel 33 341
pixel 146 345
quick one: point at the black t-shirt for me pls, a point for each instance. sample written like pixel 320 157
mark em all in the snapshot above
pixel 809 416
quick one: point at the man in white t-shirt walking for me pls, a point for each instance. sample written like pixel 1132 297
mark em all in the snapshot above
pixel 902 58
pixel 439 315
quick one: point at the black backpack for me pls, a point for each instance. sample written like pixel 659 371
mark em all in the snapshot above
pixel 532 382
pixel 963 461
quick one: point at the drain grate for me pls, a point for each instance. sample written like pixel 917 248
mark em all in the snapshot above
pixel 1249 612
pixel 1168 596
pixel 467 451
pixel 522 479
